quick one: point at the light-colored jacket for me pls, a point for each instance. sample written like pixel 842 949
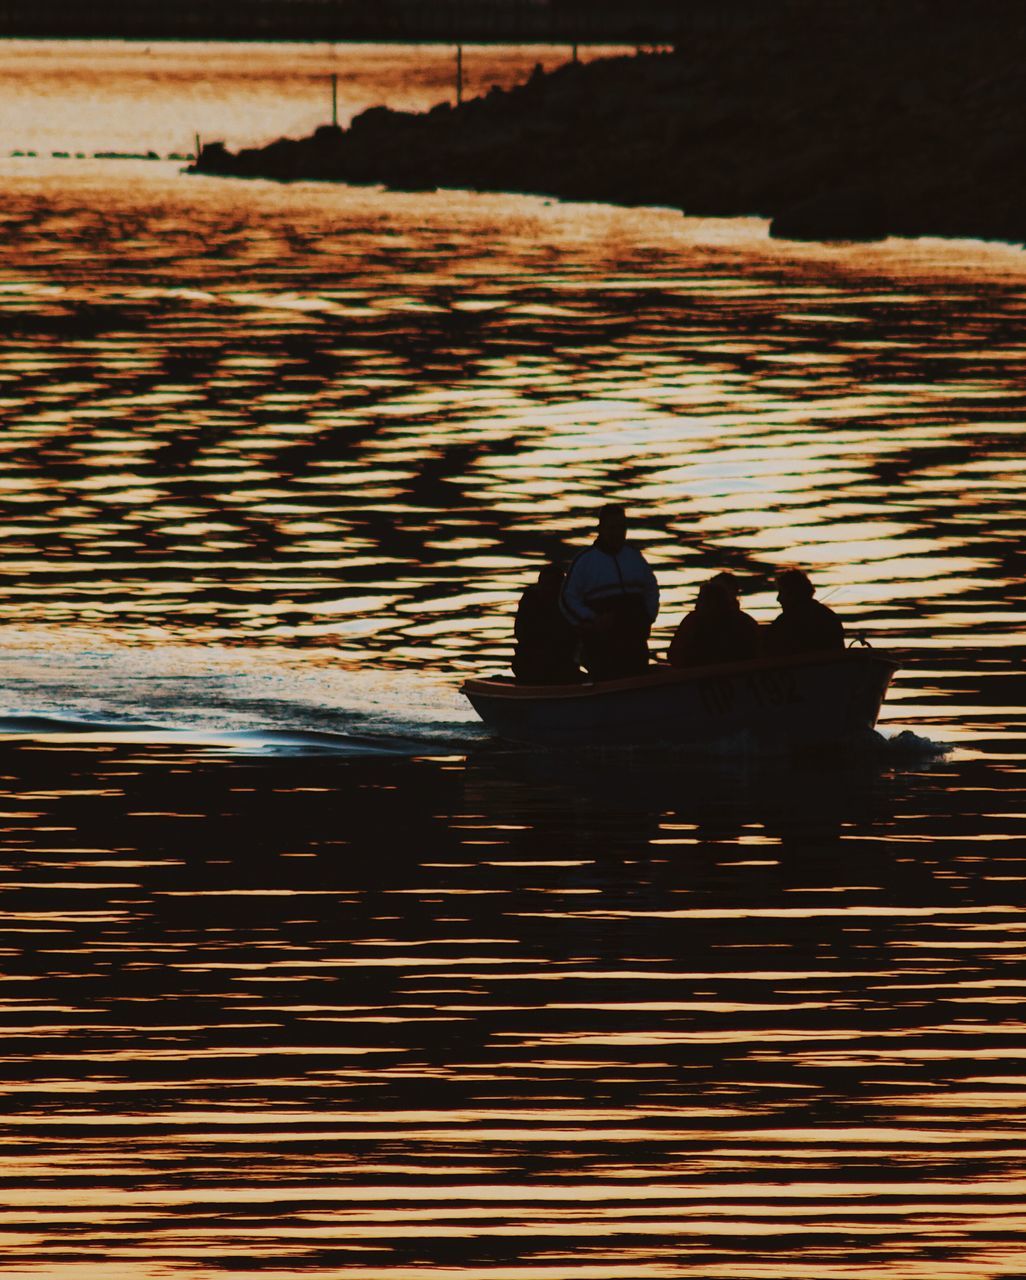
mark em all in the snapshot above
pixel 596 576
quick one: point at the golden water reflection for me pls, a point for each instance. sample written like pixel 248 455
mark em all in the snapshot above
pixel 335 418
pixel 254 1042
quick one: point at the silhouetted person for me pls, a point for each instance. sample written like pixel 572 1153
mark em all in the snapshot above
pixel 612 598
pixel 547 644
pixel 804 625
pixel 716 630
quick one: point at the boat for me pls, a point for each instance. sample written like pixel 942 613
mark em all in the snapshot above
pixel 809 700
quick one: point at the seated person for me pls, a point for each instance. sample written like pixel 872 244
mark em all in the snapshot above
pixel 546 651
pixel 611 598
pixel 716 630
pixel 804 625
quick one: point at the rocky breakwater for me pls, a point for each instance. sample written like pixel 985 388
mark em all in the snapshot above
pixel 834 122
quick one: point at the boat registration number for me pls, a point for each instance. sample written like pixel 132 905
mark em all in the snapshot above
pixel 720 694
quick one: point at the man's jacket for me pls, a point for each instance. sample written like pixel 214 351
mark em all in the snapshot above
pixel 598 581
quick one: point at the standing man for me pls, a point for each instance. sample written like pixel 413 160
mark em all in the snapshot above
pixel 612 598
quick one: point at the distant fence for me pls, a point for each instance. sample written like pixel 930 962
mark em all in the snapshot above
pixel 505 21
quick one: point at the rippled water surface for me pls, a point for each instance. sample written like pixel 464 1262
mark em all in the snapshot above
pixel 303 976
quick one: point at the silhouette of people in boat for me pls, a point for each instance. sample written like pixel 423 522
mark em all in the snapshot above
pixel 546 650
pixel 716 630
pixel 611 598
pixel 804 624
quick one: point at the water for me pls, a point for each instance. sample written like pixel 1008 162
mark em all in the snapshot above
pixel 303 976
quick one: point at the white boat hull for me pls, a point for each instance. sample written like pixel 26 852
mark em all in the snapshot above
pixel 809 700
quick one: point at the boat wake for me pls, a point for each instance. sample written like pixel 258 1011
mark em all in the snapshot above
pixel 266 702
pixel 907 745
pixel 277 702
pixel 872 746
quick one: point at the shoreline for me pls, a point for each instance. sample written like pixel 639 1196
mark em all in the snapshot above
pixel 726 129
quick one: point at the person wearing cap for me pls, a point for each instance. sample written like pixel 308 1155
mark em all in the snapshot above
pixel 717 629
pixel 546 650
pixel 804 625
pixel 611 598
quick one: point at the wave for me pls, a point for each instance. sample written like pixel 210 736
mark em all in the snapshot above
pixel 252 741
pixel 911 745
pixel 269 701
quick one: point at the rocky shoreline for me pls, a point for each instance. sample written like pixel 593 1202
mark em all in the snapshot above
pixel 839 123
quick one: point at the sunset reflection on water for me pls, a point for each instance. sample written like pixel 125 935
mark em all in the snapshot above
pixel 303 976
pixel 371 457
pixel 471 1018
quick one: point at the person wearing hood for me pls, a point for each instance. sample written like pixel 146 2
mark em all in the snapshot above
pixel 611 598
pixel 717 630
pixel 546 650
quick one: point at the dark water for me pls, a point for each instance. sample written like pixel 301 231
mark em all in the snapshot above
pixel 304 977
pixel 500 1016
